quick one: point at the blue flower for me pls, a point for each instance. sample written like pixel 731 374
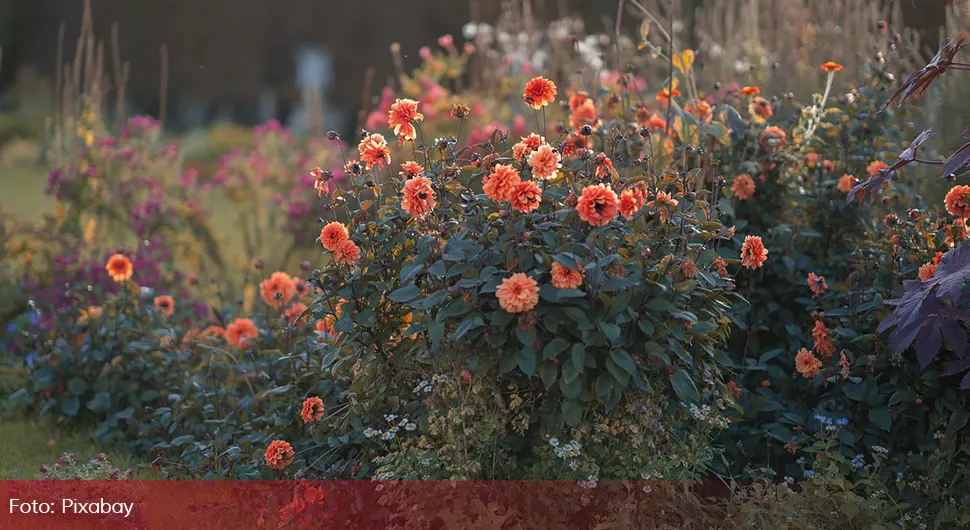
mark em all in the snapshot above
pixel 809 473
pixel 842 422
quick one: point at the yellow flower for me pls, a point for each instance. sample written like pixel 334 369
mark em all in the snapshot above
pixel 684 61
pixel 249 294
pixel 89 231
pixel 89 138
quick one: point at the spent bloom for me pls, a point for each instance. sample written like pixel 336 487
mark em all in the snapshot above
pixel 927 271
pixel 753 252
pixel 598 204
pixel 518 293
pixel 539 92
pixel 279 454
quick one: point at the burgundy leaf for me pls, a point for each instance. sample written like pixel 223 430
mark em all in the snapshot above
pixel 965 384
pixel 955 337
pixel 920 80
pixel 957 161
pixel 928 343
pixel 955 367
pixel 906 157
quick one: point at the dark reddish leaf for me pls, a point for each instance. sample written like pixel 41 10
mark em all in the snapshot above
pixel 908 156
pixel 965 384
pixel 928 343
pixel 920 80
pixel 958 161
pixel 955 367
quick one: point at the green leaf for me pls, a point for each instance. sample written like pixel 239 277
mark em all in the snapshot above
pixel 612 331
pixel 958 420
pixel 881 418
pixel 703 328
pixel 439 269
pixel 526 338
pixel 616 284
pixel 578 357
pixel 548 371
pixel 410 270
pixel 572 388
pixel 468 325
pixel 555 347
pixel 660 304
pixel 77 386
pixel 569 373
pixel 405 294
pixel 604 385
pixel 436 330
pixel 572 412
pixel 527 361
pixel 182 440
pixel 507 363
pixel 454 309
pixel 100 403
pixel 623 360
pixel 684 387
pixel 71 406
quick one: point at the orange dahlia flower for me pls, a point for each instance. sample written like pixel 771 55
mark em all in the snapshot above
pixel 528 144
pixel 119 268
pixel 927 271
pixel 402 113
pixel 526 196
pixel 846 183
pixel 277 290
pixel 213 332
pixel 410 169
pixel 598 204
pixel 807 364
pixel 753 252
pixel 539 92
pixel 518 293
pixel 502 183
pixel 832 67
pixel 564 277
pixel 165 305
pixel 91 313
pixel 817 283
pixel 325 325
pixel 545 162
pixel 418 197
pixel 347 254
pixel 663 204
pixel 958 201
pixel 743 187
pixel 374 151
pixel 760 107
pixel 875 167
pixel 312 410
pixel 584 114
pixel 751 91
pixel 823 339
pixel 333 235
pixel 240 332
pixel 294 312
pixel 631 201
pixel 279 454
pixel 775 132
